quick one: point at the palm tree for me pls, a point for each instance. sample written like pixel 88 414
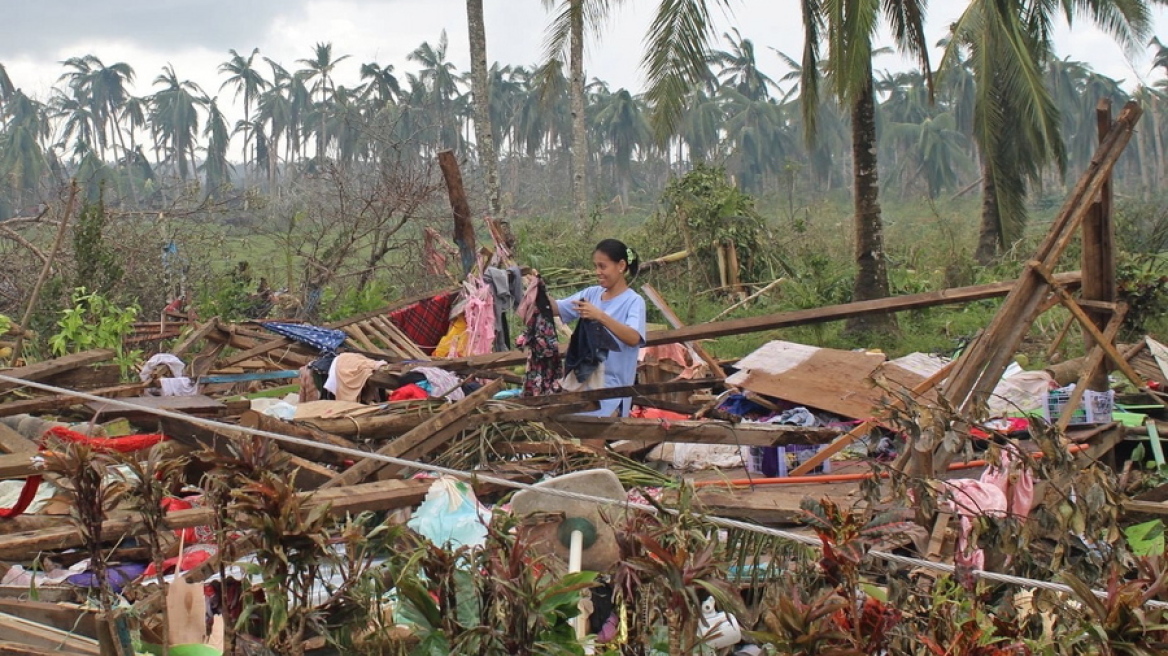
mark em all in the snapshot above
pixel 248 81
pixel 174 118
pixel 1016 118
pixel 382 83
pixel 103 89
pixel 24 159
pixel 320 68
pixel 623 127
pixel 567 31
pixel 480 87
pixel 439 77
pixel 849 26
pixel 740 69
pixel 216 168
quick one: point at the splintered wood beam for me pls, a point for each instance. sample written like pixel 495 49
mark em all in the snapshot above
pixel 49 368
pixel 464 233
pixel 615 429
pixel 675 321
pixel 426 437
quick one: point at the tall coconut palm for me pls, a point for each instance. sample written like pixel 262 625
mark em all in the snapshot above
pixel 739 68
pixel 103 89
pixel 1016 119
pixel 623 127
pixel 440 78
pixel 248 81
pixel 849 26
pixel 319 69
pixel 381 83
pixel 174 118
pixel 216 168
pixel 24 158
pixel 480 88
pixel 566 32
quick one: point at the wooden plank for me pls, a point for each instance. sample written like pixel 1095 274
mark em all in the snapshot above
pixel 826 379
pixel 13 442
pixel 676 322
pixel 253 419
pixel 359 335
pixel 954 296
pixel 428 435
pixel 696 432
pixel 72 618
pixel 863 429
pixel 196 335
pixel 400 339
pixel 18 465
pixel 46 403
pixel 40 636
pixel 19 649
pixel 198 404
pixel 49 368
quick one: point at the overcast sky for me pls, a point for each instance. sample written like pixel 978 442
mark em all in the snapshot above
pixel 194 36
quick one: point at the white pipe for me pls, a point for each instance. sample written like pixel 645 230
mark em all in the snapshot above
pixel 575 556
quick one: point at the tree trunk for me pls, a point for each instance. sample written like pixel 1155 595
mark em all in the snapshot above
pixel 484 135
pixel 1145 165
pixel 990 236
pixel 579 128
pixel 871 270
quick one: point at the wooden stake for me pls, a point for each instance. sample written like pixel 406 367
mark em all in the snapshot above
pixel 675 321
pixel 48 266
pixel 1098 257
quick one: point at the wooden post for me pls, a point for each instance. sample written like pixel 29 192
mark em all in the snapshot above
pixel 1098 260
pixel 464 234
pixel 48 266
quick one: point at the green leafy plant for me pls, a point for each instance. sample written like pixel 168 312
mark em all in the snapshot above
pixel 95 322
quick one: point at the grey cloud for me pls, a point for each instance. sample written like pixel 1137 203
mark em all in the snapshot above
pixel 40 28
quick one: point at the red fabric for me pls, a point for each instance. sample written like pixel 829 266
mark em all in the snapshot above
pixel 119 444
pixel 1016 425
pixel 426 321
pixel 408 393
pixel 190 559
pixel 656 413
pixel 27 494
pixel 127 444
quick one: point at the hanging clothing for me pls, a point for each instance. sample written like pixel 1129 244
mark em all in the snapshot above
pixel 620 363
pixel 545 365
pixel 454 341
pixel 507 287
pixel 308 390
pixel 480 318
pixel 588 349
pixel 426 321
pixel 348 375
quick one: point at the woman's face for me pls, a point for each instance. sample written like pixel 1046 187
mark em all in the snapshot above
pixel 608 273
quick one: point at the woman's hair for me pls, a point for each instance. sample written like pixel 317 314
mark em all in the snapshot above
pixel 616 251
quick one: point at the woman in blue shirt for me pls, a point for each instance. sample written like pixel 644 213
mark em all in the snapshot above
pixel 621 312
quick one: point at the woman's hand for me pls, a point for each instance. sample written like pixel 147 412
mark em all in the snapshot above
pixel 587 310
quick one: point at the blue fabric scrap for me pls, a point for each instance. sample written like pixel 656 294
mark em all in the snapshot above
pixel 325 340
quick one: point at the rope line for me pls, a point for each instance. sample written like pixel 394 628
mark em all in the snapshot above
pixel 723 522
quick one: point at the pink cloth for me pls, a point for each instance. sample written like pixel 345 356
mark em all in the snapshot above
pixel 684 357
pixel 1000 492
pixel 527 304
pixel 480 318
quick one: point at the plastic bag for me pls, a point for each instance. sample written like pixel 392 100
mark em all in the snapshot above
pixel 450 516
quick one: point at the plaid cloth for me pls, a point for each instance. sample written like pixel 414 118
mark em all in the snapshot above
pixel 325 340
pixel 426 321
